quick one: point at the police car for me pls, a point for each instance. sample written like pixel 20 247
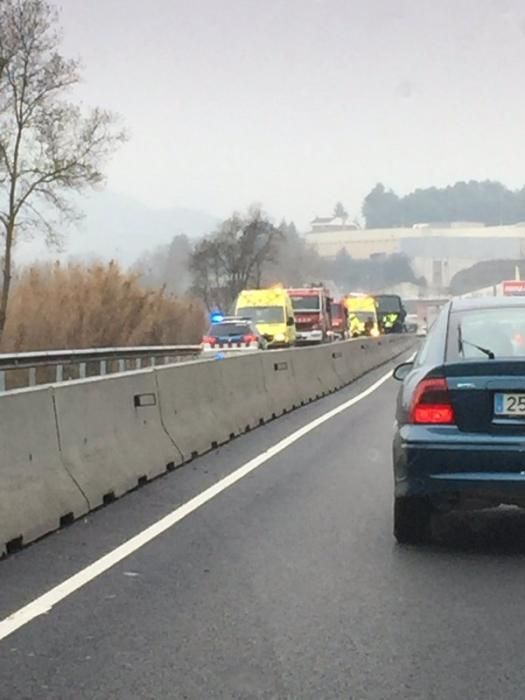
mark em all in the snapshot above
pixel 232 334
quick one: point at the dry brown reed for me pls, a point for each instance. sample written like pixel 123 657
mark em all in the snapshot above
pixel 63 306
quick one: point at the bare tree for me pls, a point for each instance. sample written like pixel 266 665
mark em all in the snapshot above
pixel 233 258
pixel 340 212
pixel 296 262
pixel 167 266
pixel 49 147
pixel 206 270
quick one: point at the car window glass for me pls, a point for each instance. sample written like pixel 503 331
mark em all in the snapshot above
pixel 309 302
pixel 229 329
pixel 422 355
pixel 263 314
pixel 473 333
pixel 432 351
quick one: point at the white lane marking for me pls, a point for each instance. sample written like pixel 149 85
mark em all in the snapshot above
pixel 45 603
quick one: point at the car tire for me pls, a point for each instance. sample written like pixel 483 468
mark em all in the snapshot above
pixel 412 516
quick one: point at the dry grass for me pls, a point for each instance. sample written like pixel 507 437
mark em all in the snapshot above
pixel 76 306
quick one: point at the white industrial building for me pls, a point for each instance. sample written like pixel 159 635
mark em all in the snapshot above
pixel 437 252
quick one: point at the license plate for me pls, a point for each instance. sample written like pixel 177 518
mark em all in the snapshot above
pixel 509 405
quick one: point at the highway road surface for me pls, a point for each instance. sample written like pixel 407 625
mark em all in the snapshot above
pixel 281 580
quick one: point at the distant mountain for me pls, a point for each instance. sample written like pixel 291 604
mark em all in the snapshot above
pixel 120 227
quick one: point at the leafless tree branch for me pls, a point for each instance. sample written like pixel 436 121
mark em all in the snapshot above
pixel 233 258
pixel 49 147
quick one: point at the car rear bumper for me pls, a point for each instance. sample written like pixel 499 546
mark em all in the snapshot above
pixel 278 344
pixel 459 467
pixel 227 350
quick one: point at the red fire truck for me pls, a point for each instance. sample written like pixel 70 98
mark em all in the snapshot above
pixel 339 318
pixel 312 311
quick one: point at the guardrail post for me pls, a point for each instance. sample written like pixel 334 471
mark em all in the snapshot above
pixel 103 368
pixel 59 374
pixel 138 363
pixel 122 365
pixel 32 376
pixel 82 370
pixel 2 381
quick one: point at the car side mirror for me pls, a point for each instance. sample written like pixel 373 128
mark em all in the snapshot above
pixel 401 372
pixel 290 321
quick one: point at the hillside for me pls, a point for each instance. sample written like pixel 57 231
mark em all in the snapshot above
pixel 120 227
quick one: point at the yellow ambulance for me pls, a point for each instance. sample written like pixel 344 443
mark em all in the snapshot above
pixel 362 316
pixel 272 312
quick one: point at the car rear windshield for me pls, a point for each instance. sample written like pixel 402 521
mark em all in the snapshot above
pixel 499 330
pixel 305 303
pixel 228 330
pixel 389 304
pixel 263 314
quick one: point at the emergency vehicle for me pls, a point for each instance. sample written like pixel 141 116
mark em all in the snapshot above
pixel 272 312
pixel 232 335
pixel 312 308
pixel 339 320
pixel 362 316
pixel 391 313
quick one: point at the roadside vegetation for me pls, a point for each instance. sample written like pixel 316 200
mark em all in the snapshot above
pixel 99 305
pixel 50 146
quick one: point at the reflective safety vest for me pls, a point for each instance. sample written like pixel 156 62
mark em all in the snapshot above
pixel 357 327
pixel 389 320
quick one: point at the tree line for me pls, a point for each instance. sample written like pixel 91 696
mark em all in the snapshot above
pixel 247 250
pixel 488 202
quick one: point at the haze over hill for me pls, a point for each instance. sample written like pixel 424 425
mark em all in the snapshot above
pixel 121 227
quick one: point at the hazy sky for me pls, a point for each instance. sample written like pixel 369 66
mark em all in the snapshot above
pixel 298 103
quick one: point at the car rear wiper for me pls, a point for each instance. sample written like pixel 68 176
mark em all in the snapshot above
pixel 462 342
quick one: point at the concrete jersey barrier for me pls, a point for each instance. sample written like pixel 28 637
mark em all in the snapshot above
pixel 193 406
pixel 37 494
pixel 72 447
pixel 111 434
pixel 279 381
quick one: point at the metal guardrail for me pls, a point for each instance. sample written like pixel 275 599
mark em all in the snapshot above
pixel 62 365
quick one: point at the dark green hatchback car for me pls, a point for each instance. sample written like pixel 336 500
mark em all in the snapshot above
pixel 459 438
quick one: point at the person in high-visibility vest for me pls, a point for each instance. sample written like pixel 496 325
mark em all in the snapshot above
pixel 389 320
pixel 356 325
pixel 362 315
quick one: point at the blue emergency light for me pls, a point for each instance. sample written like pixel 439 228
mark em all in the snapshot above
pixel 216 316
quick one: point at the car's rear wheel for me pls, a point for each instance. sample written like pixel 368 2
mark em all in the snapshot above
pixel 412 515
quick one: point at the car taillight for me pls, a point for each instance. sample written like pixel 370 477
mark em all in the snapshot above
pixel 431 404
pixel 249 338
pixel 208 340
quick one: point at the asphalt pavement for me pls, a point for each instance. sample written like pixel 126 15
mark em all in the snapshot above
pixel 286 585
